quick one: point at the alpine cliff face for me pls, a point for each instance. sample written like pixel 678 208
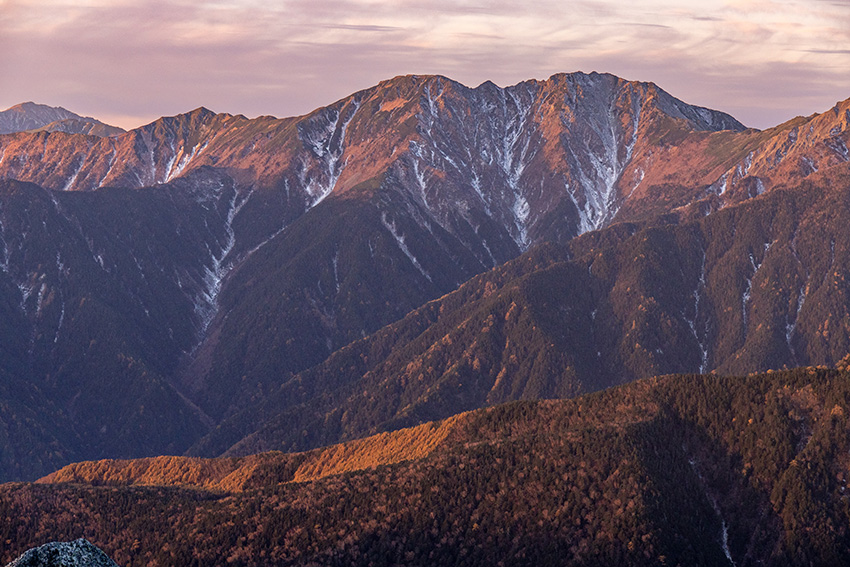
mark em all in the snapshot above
pixel 180 274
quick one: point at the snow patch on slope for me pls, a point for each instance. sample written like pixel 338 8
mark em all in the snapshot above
pixel 513 159
pixel 73 177
pixel 390 226
pixel 598 175
pixel 325 137
pixel 745 299
pixel 182 160
pixel 692 322
pixel 206 306
pixel 724 528
pixel 791 324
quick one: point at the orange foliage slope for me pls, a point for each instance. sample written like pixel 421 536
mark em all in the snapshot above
pixel 244 473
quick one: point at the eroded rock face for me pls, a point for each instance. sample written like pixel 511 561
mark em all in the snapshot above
pixel 79 553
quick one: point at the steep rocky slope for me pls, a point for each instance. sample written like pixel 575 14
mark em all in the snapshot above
pixel 103 293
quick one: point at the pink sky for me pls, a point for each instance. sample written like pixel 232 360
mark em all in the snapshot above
pixel 129 62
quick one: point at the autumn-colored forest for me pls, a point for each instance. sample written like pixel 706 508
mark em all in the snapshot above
pixel 660 471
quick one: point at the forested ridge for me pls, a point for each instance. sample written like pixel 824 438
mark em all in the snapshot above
pixel 653 472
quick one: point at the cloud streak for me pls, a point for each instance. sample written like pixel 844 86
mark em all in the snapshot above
pixel 763 60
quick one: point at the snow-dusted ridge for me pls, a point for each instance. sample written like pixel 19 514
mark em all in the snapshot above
pixel 492 149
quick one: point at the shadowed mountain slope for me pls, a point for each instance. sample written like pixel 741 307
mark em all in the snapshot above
pixel 757 285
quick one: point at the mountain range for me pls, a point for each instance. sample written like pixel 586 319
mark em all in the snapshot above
pixel 215 286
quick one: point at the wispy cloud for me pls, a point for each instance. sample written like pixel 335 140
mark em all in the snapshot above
pixel 363 27
pixel 829 51
pixel 763 60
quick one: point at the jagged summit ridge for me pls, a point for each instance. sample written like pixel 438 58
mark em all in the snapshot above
pixel 541 146
pixel 356 139
pixel 494 169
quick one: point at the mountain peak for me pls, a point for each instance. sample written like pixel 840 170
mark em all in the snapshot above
pixel 201 113
pixel 411 82
pixel 29 115
pixel 30 106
